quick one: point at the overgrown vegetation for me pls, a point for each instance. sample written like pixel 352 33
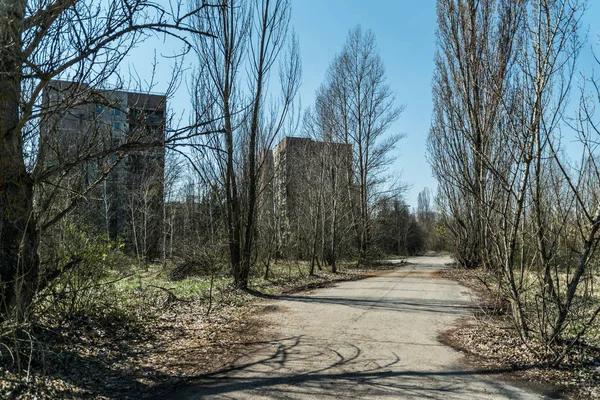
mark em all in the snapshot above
pixel 490 343
pixel 514 203
pixel 137 325
pixel 96 190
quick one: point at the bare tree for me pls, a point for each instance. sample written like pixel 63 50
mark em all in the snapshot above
pixel 426 217
pixel 250 34
pixel 84 42
pixel 536 212
pixel 324 170
pixel 362 109
pixel 173 172
pixel 476 42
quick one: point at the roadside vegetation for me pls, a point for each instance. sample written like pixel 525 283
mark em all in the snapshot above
pixel 132 251
pixel 514 146
pixel 140 329
pixel 490 343
pixel 132 237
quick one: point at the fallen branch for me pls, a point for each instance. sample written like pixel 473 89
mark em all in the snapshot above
pixel 172 297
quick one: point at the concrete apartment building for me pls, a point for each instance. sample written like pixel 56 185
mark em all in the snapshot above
pixel 295 172
pixel 124 131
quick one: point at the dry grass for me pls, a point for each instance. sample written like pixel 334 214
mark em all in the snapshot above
pixel 151 334
pixel 490 341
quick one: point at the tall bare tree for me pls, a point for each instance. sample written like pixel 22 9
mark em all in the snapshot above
pixel 250 35
pixel 537 213
pixel 476 50
pixel 362 109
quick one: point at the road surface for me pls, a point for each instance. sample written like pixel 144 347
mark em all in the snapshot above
pixel 371 339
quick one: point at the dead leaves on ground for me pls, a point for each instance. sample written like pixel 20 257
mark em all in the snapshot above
pixel 490 343
pixel 133 358
pixel 93 360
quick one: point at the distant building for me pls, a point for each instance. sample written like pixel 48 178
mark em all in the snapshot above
pixel 124 131
pixel 292 171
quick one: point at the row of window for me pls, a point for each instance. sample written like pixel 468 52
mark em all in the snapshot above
pixel 117 126
pixel 116 111
pixel 100 110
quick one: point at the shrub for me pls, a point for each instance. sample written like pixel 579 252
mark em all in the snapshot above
pixel 75 272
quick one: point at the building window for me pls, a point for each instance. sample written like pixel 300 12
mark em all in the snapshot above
pixel 116 111
pixel 99 109
pixel 117 126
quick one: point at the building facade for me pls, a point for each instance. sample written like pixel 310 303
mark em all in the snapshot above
pixel 303 181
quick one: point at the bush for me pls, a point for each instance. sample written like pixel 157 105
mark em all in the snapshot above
pixel 187 269
pixel 75 272
pixel 197 262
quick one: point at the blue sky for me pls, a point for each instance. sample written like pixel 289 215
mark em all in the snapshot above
pixel 405 32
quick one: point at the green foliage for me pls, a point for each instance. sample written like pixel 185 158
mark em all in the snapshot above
pixel 439 237
pixel 75 273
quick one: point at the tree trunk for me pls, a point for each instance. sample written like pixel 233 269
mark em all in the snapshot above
pixel 252 145
pixel 19 263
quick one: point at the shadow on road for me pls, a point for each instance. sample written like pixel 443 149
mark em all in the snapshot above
pixel 337 368
pixel 385 304
pixel 360 340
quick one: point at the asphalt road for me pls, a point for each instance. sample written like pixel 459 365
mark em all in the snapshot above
pixel 370 339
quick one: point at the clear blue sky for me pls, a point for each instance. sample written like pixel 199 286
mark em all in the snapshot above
pixel 405 32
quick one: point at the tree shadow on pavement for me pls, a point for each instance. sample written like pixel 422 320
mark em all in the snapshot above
pixel 458 308
pixel 303 367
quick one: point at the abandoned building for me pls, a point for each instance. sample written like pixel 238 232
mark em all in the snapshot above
pixel 116 140
pixel 300 179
